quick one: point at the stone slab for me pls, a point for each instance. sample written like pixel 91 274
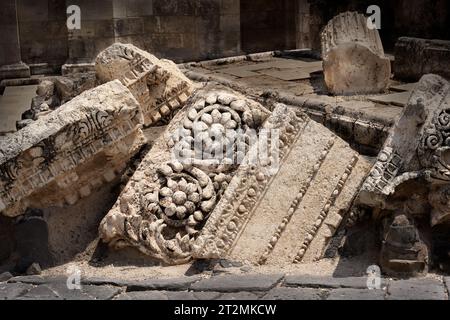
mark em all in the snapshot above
pixel 283 217
pixel 416 289
pixel 295 294
pixel 14 101
pixel 287 75
pixel 397 99
pixel 356 294
pixel 327 282
pixel 10 291
pixel 236 283
pixel 182 283
pixel 404 87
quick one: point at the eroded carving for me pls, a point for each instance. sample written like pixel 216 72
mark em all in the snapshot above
pixel 64 155
pixel 179 183
pixel 159 86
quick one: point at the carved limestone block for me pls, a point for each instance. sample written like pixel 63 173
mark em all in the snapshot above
pixel 418 146
pixel 171 195
pixel 159 86
pixel 287 215
pixel 353 56
pixel 69 152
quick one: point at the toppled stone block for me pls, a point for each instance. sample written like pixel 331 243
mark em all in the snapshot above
pixel 417 146
pixel 286 215
pixel 163 208
pixel 416 57
pixel 71 151
pixel 159 86
pixel 411 178
pixel 353 56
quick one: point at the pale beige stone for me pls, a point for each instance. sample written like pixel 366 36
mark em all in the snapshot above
pixel 159 86
pixel 162 209
pixel 287 215
pixel 56 159
pixel 353 56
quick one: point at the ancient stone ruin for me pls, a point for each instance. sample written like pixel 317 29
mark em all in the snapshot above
pixel 158 85
pixel 409 181
pixel 62 156
pixel 275 161
pixel 353 56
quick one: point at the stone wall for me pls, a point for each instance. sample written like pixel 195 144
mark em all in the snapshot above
pixel 268 25
pixel 42 31
pixel 180 30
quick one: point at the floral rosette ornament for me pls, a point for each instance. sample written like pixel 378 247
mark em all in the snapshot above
pixel 217 132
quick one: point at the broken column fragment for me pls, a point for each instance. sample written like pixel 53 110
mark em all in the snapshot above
pixel 164 206
pixel 69 152
pixel 353 56
pixel 411 177
pixel 416 57
pixel 159 86
pixel 288 215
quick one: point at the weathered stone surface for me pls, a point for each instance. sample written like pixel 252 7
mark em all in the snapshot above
pixel 64 155
pixel 150 284
pixel 10 291
pixel 143 295
pixel 295 294
pixel 34 279
pixel 416 57
pixel 353 56
pixel 416 289
pixel 236 283
pixel 289 214
pixel 410 180
pixel 244 296
pixel 41 292
pixel 327 282
pixel 158 85
pixel 5 276
pixel 415 144
pixel 179 182
pixel 356 294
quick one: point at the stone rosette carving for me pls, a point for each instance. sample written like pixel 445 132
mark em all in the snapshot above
pixel 287 215
pixel 159 86
pixel 164 207
pixel 71 151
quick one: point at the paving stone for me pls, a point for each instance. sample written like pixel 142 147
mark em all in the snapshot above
pixel 181 283
pixel 239 296
pixel 87 292
pixel 397 99
pixel 416 289
pixel 143 295
pixel 41 292
pixel 10 291
pixel 327 282
pixel 180 295
pixel 356 294
pixel 29 279
pixel 208 295
pixel 295 294
pixel 287 75
pixel 404 87
pixel 236 283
